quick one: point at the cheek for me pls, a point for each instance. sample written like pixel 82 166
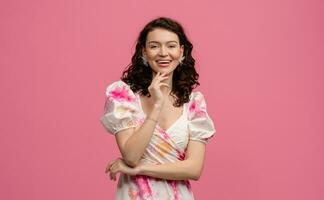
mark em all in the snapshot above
pixel 176 55
pixel 151 54
pixel 176 52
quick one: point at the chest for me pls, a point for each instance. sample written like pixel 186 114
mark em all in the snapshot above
pixel 169 114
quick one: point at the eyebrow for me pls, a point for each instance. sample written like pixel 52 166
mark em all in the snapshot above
pixel 159 42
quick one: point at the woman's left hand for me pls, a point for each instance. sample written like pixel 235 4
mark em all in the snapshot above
pixel 119 165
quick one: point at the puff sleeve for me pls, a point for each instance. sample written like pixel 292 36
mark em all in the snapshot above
pixel 121 108
pixel 200 125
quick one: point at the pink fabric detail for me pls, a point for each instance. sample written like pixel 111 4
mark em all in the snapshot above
pixel 121 94
pixel 164 134
pixel 173 185
pixel 180 155
pixel 193 106
pixel 195 109
pixel 187 183
pixel 143 185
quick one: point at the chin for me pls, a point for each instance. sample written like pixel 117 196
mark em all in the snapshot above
pixel 163 70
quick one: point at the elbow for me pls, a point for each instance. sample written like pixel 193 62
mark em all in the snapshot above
pixel 132 162
pixel 130 159
pixel 195 177
pixel 195 174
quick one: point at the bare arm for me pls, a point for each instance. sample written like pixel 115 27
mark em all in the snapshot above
pixel 132 143
pixel 190 168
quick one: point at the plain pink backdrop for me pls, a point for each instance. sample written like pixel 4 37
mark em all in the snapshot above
pixel 261 68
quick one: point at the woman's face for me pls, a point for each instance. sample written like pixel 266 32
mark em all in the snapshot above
pixel 162 50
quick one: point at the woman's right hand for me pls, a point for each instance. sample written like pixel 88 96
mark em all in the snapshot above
pixel 155 88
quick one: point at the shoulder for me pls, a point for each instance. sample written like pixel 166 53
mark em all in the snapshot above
pixel 196 105
pixel 197 99
pixel 195 95
pixel 120 91
pixel 116 85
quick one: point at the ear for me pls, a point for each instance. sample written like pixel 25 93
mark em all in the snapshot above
pixel 143 52
pixel 182 50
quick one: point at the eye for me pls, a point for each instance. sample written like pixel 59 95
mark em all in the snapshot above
pixel 153 46
pixel 172 46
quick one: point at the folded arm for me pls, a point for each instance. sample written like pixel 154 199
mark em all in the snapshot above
pixel 190 168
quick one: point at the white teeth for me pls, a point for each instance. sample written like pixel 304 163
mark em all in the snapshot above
pixel 163 61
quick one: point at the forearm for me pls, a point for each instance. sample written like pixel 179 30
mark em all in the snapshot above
pixel 180 170
pixel 137 143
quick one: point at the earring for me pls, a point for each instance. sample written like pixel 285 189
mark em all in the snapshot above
pixel 144 61
pixel 181 59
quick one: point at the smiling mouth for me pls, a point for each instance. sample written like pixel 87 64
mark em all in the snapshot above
pixel 163 61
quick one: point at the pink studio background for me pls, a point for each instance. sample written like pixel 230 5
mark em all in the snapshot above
pixel 261 70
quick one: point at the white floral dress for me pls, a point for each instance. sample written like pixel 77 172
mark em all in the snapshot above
pixel 123 110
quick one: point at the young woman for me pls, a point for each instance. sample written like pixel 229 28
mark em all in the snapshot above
pixel 161 126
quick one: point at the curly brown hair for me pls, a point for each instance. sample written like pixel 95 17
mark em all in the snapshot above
pixel 184 79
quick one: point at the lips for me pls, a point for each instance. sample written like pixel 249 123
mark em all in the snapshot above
pixel 163 61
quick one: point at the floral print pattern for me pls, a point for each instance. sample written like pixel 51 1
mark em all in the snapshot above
pixel 123 110
pixel 120 93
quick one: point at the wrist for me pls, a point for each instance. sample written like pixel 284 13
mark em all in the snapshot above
pixel 139 169
pixel 150 118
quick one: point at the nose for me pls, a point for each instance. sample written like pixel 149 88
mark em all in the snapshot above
pixel 163 51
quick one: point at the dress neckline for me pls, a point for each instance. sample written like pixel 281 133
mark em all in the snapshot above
pixel 158 125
